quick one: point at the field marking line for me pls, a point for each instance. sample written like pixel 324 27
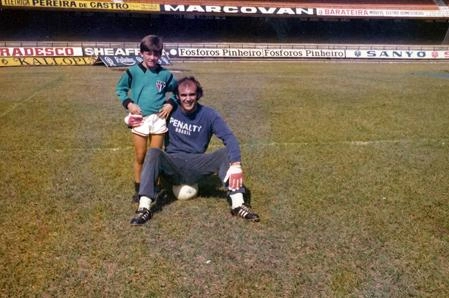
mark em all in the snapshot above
pixel 443 141
pixel 357 143
pixel 22 102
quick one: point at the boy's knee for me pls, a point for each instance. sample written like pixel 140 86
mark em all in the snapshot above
pixel 140 159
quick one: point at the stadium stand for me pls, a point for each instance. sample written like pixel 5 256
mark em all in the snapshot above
pixel 62 25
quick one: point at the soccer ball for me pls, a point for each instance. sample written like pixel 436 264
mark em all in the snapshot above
pixel 185 191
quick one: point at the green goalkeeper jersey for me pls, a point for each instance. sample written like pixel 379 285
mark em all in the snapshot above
pixel 145 87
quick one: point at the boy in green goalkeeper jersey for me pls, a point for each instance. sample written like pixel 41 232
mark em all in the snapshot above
pixel 142 90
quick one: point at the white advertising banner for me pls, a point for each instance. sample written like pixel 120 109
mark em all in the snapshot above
pixel 397 54
pixel 192 52
pixel 273 9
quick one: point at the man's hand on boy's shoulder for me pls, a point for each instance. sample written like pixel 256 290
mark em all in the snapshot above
pixel 165 111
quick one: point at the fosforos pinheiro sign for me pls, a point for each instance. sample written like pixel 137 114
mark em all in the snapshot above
pixel 192 52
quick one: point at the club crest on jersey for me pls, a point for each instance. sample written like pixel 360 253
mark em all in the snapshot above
pixel 160 85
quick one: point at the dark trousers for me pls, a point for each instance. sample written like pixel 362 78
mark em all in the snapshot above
pixel 180 168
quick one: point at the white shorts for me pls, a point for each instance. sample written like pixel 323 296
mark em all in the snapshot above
pixel 152 125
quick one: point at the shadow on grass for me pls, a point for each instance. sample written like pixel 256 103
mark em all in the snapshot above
pixel 208 187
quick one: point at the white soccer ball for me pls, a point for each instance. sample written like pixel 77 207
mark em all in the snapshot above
pixel 184 191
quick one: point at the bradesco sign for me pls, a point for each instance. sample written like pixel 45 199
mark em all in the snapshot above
pixel 41 51
pixel 191 52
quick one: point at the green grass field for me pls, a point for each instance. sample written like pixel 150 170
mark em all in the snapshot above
pixel 347 165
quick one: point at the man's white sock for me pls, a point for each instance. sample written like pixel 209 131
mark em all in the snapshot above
pixel 237 200
pixel 145 202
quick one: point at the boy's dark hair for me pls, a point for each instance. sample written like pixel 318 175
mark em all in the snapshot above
pixel 151 43
pixel 199 89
